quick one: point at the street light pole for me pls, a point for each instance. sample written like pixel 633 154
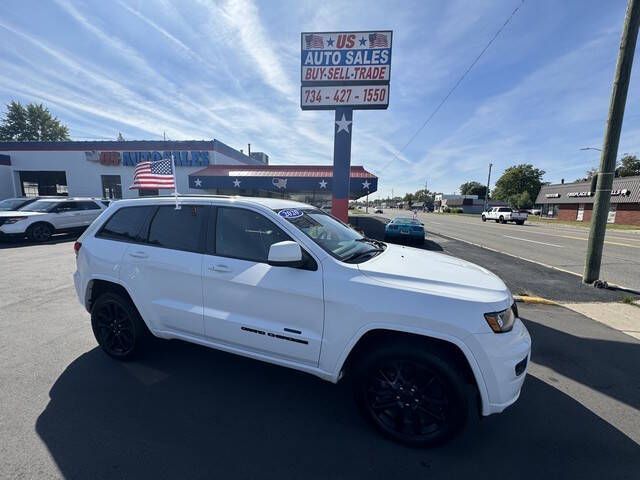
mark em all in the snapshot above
pixel 609 153
pixel 486 194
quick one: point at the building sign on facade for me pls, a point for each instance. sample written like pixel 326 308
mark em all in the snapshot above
pixel 183 158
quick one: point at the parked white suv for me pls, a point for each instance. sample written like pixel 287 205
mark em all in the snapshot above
pixel 44 217
pixel 422 336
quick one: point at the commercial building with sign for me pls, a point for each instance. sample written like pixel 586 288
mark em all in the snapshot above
pixel 105 169
pixel 574 201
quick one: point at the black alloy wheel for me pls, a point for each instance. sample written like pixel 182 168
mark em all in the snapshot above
pixel 412 400
pixel 116 326
pixel 40 232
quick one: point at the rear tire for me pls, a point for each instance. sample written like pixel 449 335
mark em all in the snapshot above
pixel 39 232
pixel 520 222
pixel 411 395
pixel 117 326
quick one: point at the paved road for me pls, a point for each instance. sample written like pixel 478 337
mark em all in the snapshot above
pixel 557 245
pixel 183 411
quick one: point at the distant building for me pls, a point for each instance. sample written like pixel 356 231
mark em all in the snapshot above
pixel 574 201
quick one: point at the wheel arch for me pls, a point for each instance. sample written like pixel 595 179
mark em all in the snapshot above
pixel 446 345
pixel 45 222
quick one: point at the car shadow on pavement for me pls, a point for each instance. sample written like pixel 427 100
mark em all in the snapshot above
pixel 184 411
pixel 55 239
pixel 607 366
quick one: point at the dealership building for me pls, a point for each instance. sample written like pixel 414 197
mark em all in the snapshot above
pixel 105 169
pixel 574 201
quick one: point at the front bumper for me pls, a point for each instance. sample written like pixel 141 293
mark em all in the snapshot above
pixel 503 359
pixel 14 229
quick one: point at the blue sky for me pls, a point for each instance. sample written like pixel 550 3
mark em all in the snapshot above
pixel 200 69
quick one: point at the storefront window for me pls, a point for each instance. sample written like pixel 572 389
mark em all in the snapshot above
pixel 111 187
pixel 148 192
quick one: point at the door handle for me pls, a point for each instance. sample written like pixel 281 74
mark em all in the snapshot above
pixel 219 268
pixel 138 254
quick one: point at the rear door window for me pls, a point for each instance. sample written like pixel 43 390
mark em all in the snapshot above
pixel 181 229
pixel 128 224
pixel 88 205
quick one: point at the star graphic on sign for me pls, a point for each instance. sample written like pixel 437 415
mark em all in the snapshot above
pixel 198 182
pixel 362 41
pixel 330 42
pixel 236 183
pixel 365 185
pixel 323 183
pixel 343 124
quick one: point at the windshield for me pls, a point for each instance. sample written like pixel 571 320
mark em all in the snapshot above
pixel 333 236
pixel 11 204
pixel 39 206
pixel 404 220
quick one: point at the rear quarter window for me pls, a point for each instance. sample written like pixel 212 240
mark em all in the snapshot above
pixel 128 224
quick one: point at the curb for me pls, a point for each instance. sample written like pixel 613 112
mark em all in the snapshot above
pixel 534 300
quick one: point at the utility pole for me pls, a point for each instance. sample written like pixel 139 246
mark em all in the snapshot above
pixel 609 153
pixel 486 194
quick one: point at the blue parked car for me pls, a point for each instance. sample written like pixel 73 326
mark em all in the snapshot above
pixel 405 229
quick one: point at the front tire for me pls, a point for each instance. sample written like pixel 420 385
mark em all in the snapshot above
pixel 411 395
pixel 117 326
pixel 502 220
pixel 484 219
pixel 39 232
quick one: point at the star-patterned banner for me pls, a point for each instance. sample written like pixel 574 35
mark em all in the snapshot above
pixel 358 186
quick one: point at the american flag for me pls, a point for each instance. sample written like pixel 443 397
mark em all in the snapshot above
pixel 378 40
pixel 314 41
pixel 157 174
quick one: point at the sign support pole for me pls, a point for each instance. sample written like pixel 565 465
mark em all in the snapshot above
pixel 341 163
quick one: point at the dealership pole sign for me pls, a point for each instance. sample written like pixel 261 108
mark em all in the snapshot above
pixel 344 71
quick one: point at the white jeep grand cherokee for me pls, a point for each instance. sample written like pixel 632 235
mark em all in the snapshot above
pixel 422 336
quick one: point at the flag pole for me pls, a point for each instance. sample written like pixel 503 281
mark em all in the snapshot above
pixel 175 183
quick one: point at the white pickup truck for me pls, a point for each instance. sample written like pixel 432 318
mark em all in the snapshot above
pixel 504 215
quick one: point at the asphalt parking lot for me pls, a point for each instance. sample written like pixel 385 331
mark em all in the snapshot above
pixel 184 411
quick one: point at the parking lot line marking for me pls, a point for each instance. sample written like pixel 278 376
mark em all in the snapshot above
pixel 534 241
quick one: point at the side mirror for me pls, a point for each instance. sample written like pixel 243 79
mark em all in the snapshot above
pixel 285 254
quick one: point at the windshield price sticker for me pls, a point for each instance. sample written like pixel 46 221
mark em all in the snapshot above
pixel 290 213
pixel 333 96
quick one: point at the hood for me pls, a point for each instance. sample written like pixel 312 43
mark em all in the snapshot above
pixel 435 273
pixel 20 213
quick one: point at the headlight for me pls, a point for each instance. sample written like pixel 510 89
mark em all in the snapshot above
pixel 13 219
pixel 501 322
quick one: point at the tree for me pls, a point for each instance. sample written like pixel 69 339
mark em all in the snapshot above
pixel 521 201
pixel 33 123
pixel 408 198
pixel 473 188
pixel 629 166
pixel 517 180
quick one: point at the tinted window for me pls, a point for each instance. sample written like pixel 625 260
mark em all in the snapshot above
pixel 87 206
pixel 245 234
pixel 178 229
pixel 127 224
pixel 68 207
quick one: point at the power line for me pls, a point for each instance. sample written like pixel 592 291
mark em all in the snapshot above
pixel 462 77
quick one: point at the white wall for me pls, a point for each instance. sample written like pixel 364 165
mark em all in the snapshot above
pixel 84 177
pixel 6 187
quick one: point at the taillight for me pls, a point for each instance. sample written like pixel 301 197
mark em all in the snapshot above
pixel 76 247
